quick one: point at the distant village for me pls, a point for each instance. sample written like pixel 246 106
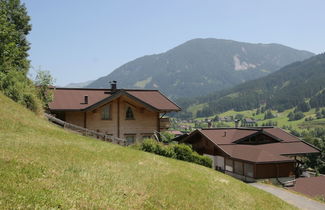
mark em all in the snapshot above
pixel 216 122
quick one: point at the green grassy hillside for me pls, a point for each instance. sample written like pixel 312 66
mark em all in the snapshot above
pixel 43 166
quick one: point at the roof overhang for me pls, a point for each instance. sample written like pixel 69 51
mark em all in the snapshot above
pixel 116 95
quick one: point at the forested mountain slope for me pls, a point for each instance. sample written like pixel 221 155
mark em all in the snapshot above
pixel 295 84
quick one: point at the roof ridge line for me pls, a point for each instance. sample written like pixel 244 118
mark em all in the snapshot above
pixel 105 89
pixel 238 128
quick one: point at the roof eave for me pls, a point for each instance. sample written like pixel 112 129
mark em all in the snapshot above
pixel 300 153
pixel 279 161
pixel 169 110
pixel 65 110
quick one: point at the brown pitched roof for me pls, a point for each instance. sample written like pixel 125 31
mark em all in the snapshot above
pixel 281 134
pixel 253 154
pixel 226 138
pixel 73 98
pixel 312 186
pixel 227 135
pixel 232 135
pixel 288 148
pixel 155 99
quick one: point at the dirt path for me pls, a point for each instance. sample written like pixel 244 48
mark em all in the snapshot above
pixel 292 198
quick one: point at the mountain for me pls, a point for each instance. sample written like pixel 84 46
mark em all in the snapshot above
pixel 202 66
pixel 299 84
pixel 79 84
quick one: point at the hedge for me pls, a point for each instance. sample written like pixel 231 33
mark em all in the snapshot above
pixel 176 151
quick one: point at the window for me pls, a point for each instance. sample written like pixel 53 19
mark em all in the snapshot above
pixel 249 169
pixel 130 138
pixel 129 114
pixel 106 113
pixel 229 165
pixel 238 167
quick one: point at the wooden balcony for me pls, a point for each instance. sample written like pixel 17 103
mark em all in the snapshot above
pixel 164 123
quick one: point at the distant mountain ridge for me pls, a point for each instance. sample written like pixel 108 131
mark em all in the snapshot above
pixel 299 83
pixel 79 84
pixel 202 66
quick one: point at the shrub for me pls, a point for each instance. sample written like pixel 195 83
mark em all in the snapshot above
pixel 166 151
pixel 149 145
pixel 167 136
pixel 43 80
pixel 183 152
pixel 202 160
pixel 176 151
pixel 296 115
pixel 20 89
pixel 31 102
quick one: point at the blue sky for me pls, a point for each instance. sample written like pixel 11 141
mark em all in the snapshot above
pixel 79 40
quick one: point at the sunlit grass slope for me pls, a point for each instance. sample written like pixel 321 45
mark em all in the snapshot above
pixel 43 166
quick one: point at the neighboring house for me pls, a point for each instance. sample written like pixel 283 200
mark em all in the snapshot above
pixel 251 153
pixel 248 122
pixel 123 113
pixel 176 133
pixel 226 119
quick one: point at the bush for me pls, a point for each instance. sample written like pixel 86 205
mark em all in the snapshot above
pixel 183 152
pixel 20 89
pixel 297 115
pixel 202 160
pixel 166 151
pixel 31 102
pixel 176 151
pixel 149 145
pixel 167 137
pixel 43 80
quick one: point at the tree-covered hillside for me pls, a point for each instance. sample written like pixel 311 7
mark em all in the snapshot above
pixel 300 85
pixel 202 66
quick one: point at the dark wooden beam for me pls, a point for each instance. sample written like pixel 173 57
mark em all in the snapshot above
pixel 254 175
pixel 85 119
pixel 118 118
pixel 158 122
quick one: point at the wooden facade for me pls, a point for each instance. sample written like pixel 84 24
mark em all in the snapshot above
pixel 259 171
pixel 143 124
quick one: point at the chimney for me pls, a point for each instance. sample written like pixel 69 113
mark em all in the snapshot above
pixel 113 85
pixel 236 123
pixel 86 100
